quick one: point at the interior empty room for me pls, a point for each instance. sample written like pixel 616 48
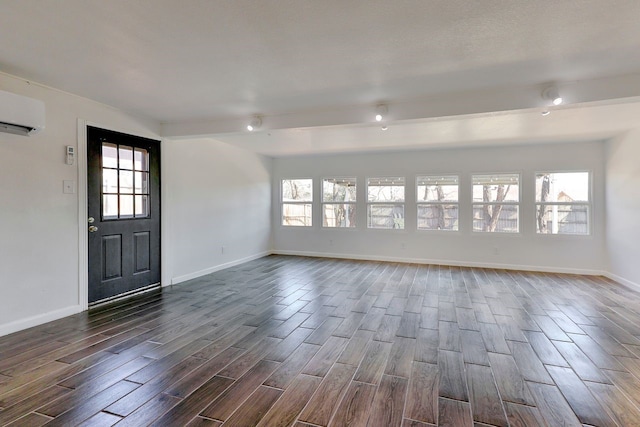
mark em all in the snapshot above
pixel 322 213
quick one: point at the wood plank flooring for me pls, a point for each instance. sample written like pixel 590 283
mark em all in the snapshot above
pixel 291 341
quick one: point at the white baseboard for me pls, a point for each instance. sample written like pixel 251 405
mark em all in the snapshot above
pixel 29 322
pixel 622 280
pixel 545 269
pixel 196 274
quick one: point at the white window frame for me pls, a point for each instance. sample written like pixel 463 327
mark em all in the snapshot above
pixel 420 202
pixel 371 204
pixel 305 202
pixel 352 203
pixel 509 203
pixel 588 203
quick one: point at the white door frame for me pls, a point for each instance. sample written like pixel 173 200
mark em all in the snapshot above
pixel 83 214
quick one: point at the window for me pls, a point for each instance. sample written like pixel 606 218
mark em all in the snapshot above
pixel 297 198
pixel 339 202
pixel 125 182
pixel 496 200
pixel 385 203
pixel 562 203
pixel 437 202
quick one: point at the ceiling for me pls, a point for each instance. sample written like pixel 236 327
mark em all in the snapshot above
pixel 455 72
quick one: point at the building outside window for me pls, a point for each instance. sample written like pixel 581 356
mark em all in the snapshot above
pixel 562 203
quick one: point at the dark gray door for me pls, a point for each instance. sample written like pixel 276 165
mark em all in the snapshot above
pixel 123 177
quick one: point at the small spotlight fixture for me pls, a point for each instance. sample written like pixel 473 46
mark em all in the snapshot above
pixel 384 127
pixel 255 123
pixel 381 110
pixel 545 113
pixel 552 94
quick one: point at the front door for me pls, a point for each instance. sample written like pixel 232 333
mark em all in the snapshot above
pixel 123 179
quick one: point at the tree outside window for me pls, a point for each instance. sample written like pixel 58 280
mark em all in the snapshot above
pixel 496 200
pixel 437 202
pixel 562 203
pixel 297 202
pixel 385 203
pixel 339 202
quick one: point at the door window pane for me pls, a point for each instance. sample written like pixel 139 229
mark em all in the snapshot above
pixel 126 157
pixel 126 182
pixel 141 182
pixel 126 206
pixel 109 181
pixel 110 206
pixel 142 206
pixel 141 159
pixel 109 155
pixel 120 182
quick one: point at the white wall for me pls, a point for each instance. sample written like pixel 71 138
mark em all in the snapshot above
pixel 526 250
pixel 623 207
pixel 38 223
pixel 217 195
pixel 213 195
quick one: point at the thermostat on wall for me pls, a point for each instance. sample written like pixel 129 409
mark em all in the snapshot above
pixel 71 154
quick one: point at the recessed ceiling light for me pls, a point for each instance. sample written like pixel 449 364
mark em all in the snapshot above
pixel 545 113
pixel 255 123
pixel 381 110
pixel 552 94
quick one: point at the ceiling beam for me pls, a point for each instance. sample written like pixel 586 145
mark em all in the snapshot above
pixel 494 101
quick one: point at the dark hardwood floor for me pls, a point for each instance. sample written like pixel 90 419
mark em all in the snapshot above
pixel 314 342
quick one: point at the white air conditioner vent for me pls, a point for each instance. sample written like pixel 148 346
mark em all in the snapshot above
pixel 20 115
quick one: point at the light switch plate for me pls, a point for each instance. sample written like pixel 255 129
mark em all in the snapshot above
pixel 68 187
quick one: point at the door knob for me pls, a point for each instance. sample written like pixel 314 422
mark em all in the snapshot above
pixel 90 220
pixel 93 229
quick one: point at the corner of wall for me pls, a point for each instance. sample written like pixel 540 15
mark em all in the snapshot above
pixel 622 198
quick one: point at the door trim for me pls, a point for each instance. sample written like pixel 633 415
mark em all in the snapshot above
pixel 83 214
pixel 83 210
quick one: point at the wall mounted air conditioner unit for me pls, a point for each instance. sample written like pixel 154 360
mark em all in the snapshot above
pixel 20 115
